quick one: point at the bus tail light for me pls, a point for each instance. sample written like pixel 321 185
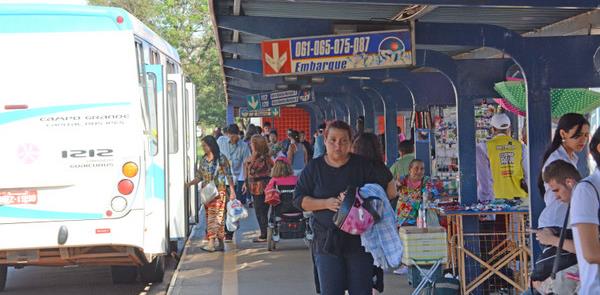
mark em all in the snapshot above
pixel 125 187
pixel 120 19
pixel 130 169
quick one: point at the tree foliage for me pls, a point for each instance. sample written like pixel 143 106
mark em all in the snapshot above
pixel 186 25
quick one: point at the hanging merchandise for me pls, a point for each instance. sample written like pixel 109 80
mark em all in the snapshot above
pixel 445 163
pixel 483 115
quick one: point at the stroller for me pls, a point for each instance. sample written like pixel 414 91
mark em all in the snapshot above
pixel 286 221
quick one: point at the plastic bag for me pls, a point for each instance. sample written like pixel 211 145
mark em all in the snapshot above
pixel 236 211
pixel 231 225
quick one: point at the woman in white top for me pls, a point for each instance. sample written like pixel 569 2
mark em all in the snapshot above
pixel 570 137
pixel 584 219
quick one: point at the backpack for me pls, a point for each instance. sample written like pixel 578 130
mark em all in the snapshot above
pixel 355 215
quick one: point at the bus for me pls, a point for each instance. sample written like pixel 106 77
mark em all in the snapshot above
pixel 97 126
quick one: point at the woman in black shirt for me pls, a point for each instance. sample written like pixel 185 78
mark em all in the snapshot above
pixel 341 262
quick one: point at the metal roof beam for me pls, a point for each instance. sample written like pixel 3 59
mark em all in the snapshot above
pixel 247 65
pixel 570 26
pixel 565 4
pixel 249 51
pixel 251 85
pixel 275 27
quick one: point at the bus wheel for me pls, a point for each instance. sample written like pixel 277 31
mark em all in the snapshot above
pixel 123 274
pixel 3 274
pixel 154 271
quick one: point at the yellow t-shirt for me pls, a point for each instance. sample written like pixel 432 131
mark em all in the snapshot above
pixel 506 156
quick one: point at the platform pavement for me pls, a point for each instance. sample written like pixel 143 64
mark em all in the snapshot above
pixel 247 268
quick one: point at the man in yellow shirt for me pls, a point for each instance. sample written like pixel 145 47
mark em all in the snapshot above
pixel 501 163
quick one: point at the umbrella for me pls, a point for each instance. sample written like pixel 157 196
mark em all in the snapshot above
pixel 564 100
pixel 505 104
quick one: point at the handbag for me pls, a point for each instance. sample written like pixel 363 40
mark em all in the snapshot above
pixel 355 215
pixel 273 196
pixel 209 191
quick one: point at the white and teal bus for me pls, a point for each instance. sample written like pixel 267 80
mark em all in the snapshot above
pixel 97 138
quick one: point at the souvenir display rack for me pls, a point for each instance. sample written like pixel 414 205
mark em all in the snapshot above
pixel 445 163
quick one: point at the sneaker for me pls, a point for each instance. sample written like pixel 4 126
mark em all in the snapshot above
pixel 402 270
pixel 209 247
pixel 228 239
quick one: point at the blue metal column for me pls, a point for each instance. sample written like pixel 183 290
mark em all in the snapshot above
pixel 369 111
pixel 383 91
pixel 229 115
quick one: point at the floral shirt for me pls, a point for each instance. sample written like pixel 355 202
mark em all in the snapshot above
pixel 206 172
pixel 411 197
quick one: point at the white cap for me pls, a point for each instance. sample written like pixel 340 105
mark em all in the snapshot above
pixel 500 121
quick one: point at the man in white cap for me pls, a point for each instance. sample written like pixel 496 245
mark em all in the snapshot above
pixel 501 163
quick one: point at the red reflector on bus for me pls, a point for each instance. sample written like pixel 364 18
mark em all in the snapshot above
pixel 15 107
pixel 120 19
pixel 103 231
pixel 125 186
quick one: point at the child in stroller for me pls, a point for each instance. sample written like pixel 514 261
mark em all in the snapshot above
pixel 285 220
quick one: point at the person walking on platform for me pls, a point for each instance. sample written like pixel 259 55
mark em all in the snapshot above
pixel 570 137
pixel 319 144
pixel 214 167
pixel 257 171
pixel 367 145
pixel 585 220
pixel 296 153
pixel 501 164
pixel 236 150
pixel 340 259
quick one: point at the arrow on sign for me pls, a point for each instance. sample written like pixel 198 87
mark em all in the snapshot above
pixel 276 61
pixel 253 102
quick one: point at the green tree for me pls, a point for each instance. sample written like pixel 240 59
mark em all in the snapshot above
pixel 186 25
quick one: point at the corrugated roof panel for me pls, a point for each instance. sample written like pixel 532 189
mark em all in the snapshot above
pixel 517 19
pixel 320 10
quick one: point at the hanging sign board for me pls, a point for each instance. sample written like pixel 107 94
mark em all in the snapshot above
pixel 338 53
pixel 268 112
pixel 279 98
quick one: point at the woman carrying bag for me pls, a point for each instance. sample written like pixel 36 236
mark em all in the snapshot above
pixel 214 171
pixel 257 171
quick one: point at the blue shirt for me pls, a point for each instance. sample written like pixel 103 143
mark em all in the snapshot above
pixel 319 146
pixel 236 154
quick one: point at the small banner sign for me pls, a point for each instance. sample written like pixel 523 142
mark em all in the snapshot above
pixel 279 98
pixel 338 53
pixel 268 112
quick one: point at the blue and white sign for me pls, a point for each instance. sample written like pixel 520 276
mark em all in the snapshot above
pixel 279 98
pixel 268 112
pixel 337 53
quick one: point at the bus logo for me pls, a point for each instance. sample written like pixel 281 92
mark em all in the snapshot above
pixel 28 153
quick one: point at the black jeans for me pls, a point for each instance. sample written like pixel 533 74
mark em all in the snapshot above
pixel 262 211
pixel 351 271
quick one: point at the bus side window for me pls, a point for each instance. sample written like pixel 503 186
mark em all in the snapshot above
pixel 139 55
pixel 171 67
pixel 154 57
pixel 151 104
pixel 172 120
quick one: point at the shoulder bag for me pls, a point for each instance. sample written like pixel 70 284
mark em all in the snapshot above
pixel 209 191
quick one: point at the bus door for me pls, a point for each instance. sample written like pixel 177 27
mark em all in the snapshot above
pixel 191 147
pixel 178 221
pixel 156 194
